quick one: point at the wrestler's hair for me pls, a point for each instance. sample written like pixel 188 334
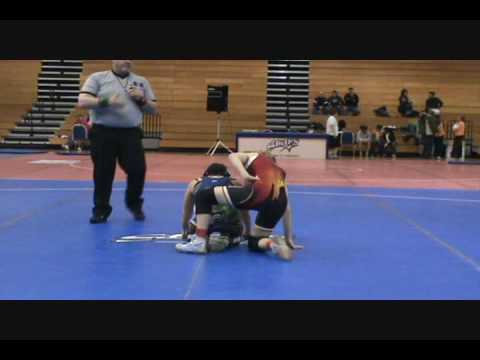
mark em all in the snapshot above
pixel 216 169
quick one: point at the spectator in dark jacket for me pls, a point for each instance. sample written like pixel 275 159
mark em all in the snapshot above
pixel 428 125
pixel 405 107
pixel 335 101
pixel 352 102
pixel 433 102
pixel 321 102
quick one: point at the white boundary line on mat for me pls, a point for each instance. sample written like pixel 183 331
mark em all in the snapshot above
pixel 306 193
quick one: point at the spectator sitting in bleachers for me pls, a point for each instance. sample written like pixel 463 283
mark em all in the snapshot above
pixel 335 101
pixel 352 102
pixel 85 121
pixel 321 102
pixel 405 107
pixel 364 139
pixel 316 128
pixel 82 144
pixel 311 129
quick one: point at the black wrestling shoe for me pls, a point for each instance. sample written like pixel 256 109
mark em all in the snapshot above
pixel 100 217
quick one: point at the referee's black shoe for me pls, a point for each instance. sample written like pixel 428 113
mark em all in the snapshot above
pixel 138 214
pixel 100 217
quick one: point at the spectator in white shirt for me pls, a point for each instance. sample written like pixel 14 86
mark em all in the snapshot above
pixel 332 132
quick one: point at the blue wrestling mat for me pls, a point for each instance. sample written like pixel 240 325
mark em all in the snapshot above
pixel 359 244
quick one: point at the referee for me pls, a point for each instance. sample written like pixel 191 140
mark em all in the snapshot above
pixel 117 100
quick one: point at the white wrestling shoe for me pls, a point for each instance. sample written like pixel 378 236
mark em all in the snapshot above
pixel 280 248
pixel 196 246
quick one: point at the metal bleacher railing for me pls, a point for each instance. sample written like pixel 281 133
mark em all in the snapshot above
pixel 152 126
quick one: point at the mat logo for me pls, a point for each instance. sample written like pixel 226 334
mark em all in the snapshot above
pixel 285 144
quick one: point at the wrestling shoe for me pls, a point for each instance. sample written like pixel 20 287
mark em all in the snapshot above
pixel 196 246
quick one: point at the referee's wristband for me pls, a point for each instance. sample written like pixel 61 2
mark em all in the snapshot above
pixel 103 102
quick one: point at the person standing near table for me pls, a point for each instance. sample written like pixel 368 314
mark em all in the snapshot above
pixel 458 137
pixel 117 100
pixel 332 131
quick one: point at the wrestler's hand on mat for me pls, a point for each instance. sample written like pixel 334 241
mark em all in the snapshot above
pixel 235 182
pixel 291 244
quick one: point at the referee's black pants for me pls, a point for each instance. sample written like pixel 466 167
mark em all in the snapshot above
pixel 109 145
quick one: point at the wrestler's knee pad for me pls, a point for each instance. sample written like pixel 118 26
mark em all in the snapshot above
pixel 218 242
pixel 253 244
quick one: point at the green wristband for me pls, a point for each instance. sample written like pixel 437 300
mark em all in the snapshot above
pixel 104 102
